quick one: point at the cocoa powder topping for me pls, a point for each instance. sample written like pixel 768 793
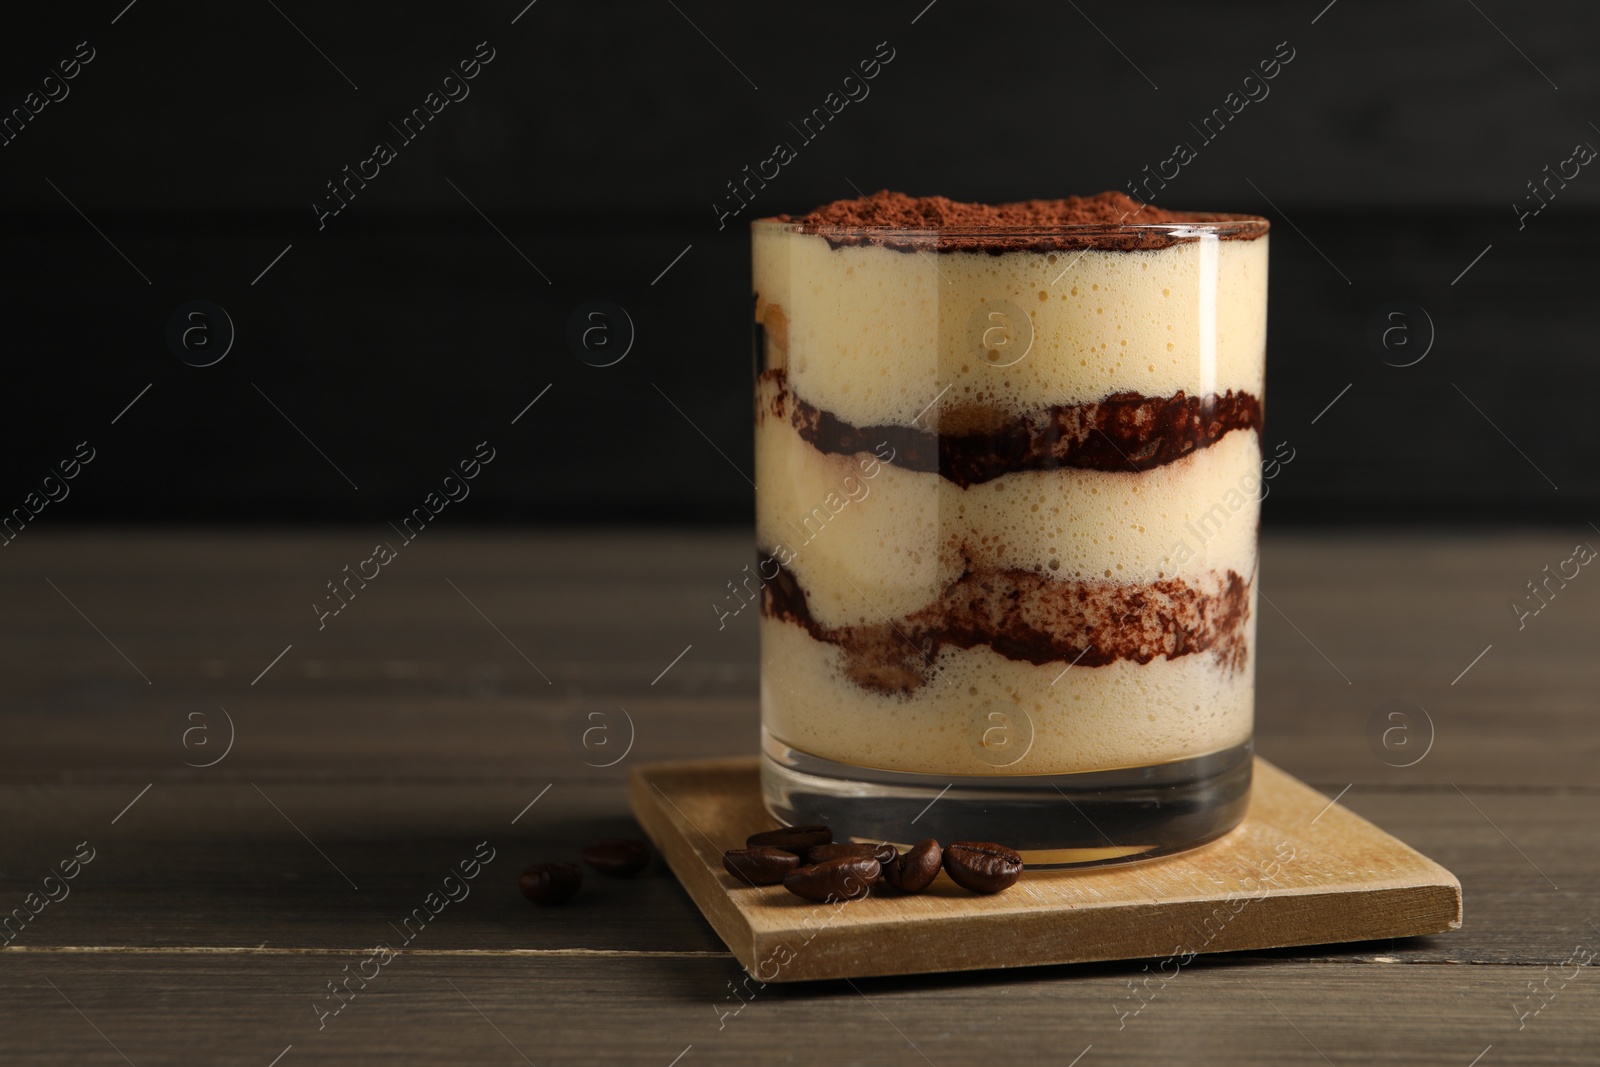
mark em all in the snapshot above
pixel 1101 222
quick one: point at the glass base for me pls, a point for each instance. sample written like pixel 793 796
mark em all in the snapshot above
pixel 1055 821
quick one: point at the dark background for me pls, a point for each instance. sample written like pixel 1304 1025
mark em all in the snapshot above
pixel 1392 149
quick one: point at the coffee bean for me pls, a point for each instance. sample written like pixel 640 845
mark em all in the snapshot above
pixel 846 878
pixel 916 870
pixel 794 839
pixel 620 857
pixel 819 853
pixel 550 883
pixel 982 866
pixel 761 865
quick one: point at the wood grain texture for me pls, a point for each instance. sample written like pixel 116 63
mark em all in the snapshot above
pixel 166 1009
pixel 410 729
pixel 213 865
pixel 410 674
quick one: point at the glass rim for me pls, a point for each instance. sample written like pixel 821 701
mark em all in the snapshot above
pixel 1229 225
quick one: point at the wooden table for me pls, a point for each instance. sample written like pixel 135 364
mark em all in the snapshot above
pixel 456 700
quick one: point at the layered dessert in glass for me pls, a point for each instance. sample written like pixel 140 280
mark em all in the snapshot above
pixel 1008 481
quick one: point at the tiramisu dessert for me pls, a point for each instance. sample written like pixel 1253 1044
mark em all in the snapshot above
pixel 1008 467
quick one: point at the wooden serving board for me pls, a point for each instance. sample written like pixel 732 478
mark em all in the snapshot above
pixel 1297 871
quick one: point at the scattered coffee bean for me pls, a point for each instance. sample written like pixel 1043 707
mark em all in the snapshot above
pixel 550 883
pixel 982 866
pixel 819 853
pixel 620 857
pixel 794 839
pixel 846 878
pixel 762 865
pixel 916 870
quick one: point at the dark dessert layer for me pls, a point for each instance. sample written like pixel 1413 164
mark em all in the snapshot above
pixel 1037 225
pixel 1027 616
pixel 1123 432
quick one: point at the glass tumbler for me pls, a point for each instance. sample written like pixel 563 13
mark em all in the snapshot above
pixel 1008 487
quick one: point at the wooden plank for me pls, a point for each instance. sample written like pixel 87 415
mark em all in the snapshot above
pixel 485 728
pixel 245 1009
pixel 209 863
pixel 331 866
pixel 1298 871
pixel 1404 617
pixel 407 731
pixel 423 677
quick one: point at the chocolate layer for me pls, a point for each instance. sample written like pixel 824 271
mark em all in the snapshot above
pixel 1124 431
pixel 1033 618
pixel 1100 222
